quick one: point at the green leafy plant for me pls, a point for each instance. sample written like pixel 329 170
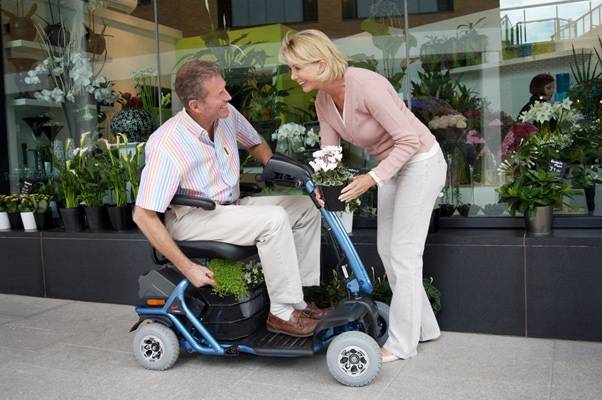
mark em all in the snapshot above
pixel 12 203
pixel 66 171
pixel 116 173
pixel 132 162
pixel 27 204
pixel 235 278
pixel 2 203
pixel 42 201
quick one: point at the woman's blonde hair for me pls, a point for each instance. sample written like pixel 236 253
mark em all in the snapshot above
pixel 310 46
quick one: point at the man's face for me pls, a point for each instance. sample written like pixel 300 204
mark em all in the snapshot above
pixel 215 104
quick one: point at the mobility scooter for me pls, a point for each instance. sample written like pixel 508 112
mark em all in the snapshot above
pixel 175 315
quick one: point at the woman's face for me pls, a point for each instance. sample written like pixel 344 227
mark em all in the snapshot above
pixel 548 91
pixel 306 75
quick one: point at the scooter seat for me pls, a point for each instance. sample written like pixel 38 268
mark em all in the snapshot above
pixel 214 249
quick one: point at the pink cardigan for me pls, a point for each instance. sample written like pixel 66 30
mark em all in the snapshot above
pixel 375 118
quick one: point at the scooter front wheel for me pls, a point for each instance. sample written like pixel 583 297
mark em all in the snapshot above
pixel 156 346
pixel 354 358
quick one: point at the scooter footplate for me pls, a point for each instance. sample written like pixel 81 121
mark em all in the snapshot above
pixel 265 343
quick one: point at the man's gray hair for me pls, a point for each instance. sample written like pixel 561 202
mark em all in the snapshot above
pixel 191 77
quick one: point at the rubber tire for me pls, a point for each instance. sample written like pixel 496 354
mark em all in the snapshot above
pixel 383 312
pixel 362 341
pixel 169 346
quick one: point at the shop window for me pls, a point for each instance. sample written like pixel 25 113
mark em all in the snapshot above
pixel 364 8
pixel 243 13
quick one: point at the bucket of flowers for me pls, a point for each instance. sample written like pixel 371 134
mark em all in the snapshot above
pixel 295 140
pixel 330 175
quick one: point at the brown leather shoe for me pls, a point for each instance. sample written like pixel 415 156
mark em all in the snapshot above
pixel 298 325
pixel 312 311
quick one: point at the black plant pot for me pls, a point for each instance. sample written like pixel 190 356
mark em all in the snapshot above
pixel 44 220
pixel 434 224
pixel 73 219
pixel 121 217
pixel 446 210
pixel 590 198
pixel 330 195
pixel 464 209
pixel 96 217
pixel 57 34
pixel 494 210
pixel 15 220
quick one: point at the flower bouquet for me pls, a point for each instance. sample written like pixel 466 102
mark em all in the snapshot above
pixel 294 139
pixel 330 175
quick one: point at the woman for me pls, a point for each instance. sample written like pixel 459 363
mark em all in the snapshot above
pixel 361 107
pixel 541 88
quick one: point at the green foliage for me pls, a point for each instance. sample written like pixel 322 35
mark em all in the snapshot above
pixel 534 188
pixel 235 278
pixel 2 203
pixel 41 202
pixel 336 177
pixel 12 203
pixel 230 279
pixel 69 182
pixel 91 170
pixel 335 291
pixel 27 204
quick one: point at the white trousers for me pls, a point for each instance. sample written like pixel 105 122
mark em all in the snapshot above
pixel 285 229
pixel 405 204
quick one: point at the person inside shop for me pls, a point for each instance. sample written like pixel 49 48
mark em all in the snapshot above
pixel 196 153
pixel 362 108
pixel 542 88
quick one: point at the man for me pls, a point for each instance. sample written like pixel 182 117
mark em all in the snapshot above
pixel 195 153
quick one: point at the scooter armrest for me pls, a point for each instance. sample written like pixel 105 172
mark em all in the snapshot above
pixel 200 202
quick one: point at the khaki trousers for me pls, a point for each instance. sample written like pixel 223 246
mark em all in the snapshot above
pixel 285 229
pixel 405 205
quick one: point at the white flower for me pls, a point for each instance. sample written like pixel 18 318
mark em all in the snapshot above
pixel 312 138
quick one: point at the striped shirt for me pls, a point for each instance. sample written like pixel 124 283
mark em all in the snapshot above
pixel 182 159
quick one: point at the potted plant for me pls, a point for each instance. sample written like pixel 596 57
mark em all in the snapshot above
pixel 4 222
pixel 70 186
pixel 42 214
pixel 346 215
pixel 294 139
pixel 536 183
pixel 27 207
pixel 20 23
pixel 330 176
pixel 91 168
pixel 12 209
pixel 132 120
pixel 120 213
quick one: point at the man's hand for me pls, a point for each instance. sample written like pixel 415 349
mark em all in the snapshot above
pixel 199 275
pixel 358 186
pixel 318 196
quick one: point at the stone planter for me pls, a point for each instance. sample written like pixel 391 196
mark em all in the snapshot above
pixel 29 222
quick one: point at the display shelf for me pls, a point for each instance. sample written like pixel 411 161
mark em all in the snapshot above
pixel 28 49
pixel 47 104
pixel 521 60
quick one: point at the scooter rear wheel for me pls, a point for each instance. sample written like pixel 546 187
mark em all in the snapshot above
pixel 354 358
pixel 156 346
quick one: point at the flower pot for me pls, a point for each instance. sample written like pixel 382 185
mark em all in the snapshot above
pixel 57 34
pixel 94 43
pixel 136 123
pixel 73 219
pixel 96 217
pixel 494 210
pixel 590 198
pixel 346 218
pixel 29 222
pixel 4 222
pixel 22 28
pixel 15 221
pixel 121 217
pixel 541 223
pixel 447 210
pixel 330 195
pixel 464 209
pixel 44 220
pixel 434 222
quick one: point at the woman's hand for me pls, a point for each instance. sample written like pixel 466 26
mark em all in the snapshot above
pixel 358 186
